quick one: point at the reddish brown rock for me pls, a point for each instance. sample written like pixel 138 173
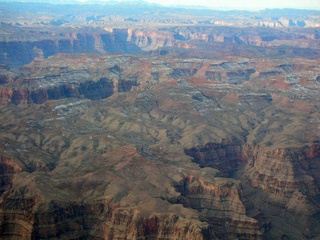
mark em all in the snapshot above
pixel 221 204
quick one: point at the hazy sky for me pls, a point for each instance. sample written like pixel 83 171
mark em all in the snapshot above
pixel 218 4
pixel 246 4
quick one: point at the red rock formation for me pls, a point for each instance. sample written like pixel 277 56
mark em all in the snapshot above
pixel 283 171
pixel 225 156
pixel 6 95
pixel 221 204
pixel 82 221
pixel 8 167
pixel 278 171
pixel 89 89
pixel 133 40
pixel 148 39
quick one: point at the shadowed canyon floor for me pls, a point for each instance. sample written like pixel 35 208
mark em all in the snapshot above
pixel 193 138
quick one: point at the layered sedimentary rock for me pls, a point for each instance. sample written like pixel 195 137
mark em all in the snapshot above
pixel 100 77
pixel 19 46
pixel 89 89
pixel 289 170
pixel 61 83
pixel 17 52
pixel 287 176
pixel 58 219
pixel 222 206
pixel 8 168
pixel 160 146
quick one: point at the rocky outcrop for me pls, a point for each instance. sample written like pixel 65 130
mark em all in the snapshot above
pixel 225 156
pixel 8 167
pixel 18 53
pixel 278 171
pixel 8 75
pixel 284 171
pixel 271 180
pixel 100 89
pixel 150 39
pixel 95 220
pixel 222 206
pixel 251 36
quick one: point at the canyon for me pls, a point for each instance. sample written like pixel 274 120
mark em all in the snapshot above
pixel 16 52
pixel 118 130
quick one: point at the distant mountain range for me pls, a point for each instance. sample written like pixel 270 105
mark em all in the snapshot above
pixel 134 7
pixel 112 2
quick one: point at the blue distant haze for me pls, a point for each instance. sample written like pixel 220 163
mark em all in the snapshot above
pixel 215 4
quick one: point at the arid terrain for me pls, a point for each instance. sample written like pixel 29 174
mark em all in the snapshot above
pixel 144 122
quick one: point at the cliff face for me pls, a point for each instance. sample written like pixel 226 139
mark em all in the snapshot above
pixel 225 157
pixel 284 171
pixel 251 36
pixel 83 221
pixel 17 51
pixel 150 40
pixel 103 88
pixel 222 205
pixel 8 75
pixel 8 168
pixel 287 178
pixel 280 171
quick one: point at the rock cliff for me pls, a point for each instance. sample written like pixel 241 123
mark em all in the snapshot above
pixel 221 203
pixel 62 83
pixel 17 52
pixel 23 46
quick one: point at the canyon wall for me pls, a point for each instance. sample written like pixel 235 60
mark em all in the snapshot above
pixel 101 89
pixel 280 171
pixel 272 180
pixel 29 218
pixel 19 51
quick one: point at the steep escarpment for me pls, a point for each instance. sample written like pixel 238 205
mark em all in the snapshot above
pixel 8 74
pixel 222 205
pixel 41 90
pixel 280 171
pixel 249 36
pixel 92 90
pixel 149 39
pixel 17 52
pixel 22 46
pixel 284 171
pixel 289 183
pixel 271 180
pixel 58 219
pixel 8 168
pixel 225 156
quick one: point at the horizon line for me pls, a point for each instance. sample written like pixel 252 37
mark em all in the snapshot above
pixel 198 7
